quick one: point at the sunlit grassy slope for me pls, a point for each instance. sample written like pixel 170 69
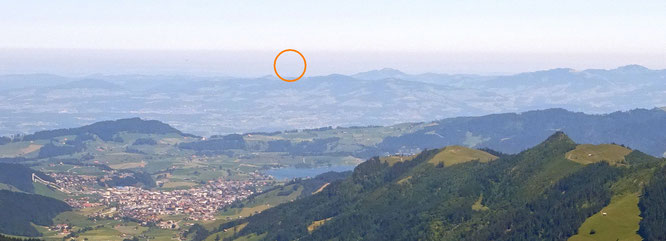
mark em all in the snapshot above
pixel 452 155
pixel 316 224
pixel 42 189
pixel 395 159
pixel 478 206
pixel 619 223
pixel 587 153
pixel 227 233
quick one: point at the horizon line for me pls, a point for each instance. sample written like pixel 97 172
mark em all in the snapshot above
pixel 264 76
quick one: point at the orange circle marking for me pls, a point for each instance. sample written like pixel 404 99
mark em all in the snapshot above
pixel 305 65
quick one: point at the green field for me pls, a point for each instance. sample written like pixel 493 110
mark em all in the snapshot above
pixel 316 224
pixel 178 185
pixel 44 190
pixel 619 223
pixel 587 154
pixel 452 155
pixel 226 233
pixel 103 233
pixel 19 149
pixel 130 228
pixel 154 233
pixel 73 218
pixel 478 205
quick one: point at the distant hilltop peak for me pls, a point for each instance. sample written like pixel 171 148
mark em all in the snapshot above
pixel 389 71
pixel 632 68
pixel 380 74
pixel 89 84
pixel 107 129
pixel 558 137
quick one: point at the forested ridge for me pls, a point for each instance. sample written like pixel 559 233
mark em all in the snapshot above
pixel 537 194
pixel 18 210
pixel 653 208
pixel 20 176
pixel 7 238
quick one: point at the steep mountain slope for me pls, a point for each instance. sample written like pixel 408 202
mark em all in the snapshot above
pixel 295 189
pixel 536 194
pixel 653 208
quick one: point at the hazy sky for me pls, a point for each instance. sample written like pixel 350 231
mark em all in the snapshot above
pixel 242 37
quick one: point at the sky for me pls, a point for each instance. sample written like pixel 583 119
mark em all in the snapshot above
pixel 242 37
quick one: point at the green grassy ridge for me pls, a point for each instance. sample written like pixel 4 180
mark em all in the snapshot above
pixel 523 194
pixel 587 153
pixel 370 200
pixel 452 155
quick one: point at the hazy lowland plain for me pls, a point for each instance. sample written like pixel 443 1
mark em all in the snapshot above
pixel 220 105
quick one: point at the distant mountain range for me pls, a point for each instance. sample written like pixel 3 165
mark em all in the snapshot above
pixel 208 105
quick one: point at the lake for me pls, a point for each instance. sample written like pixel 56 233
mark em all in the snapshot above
pixel 292 172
